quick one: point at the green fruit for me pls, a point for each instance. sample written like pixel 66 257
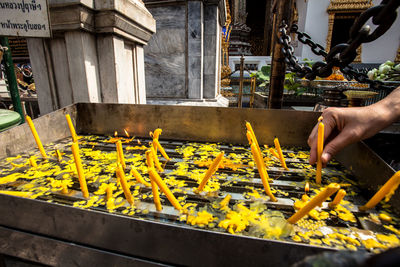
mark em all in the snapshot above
pixel 389 63
pixel 397 67
pixel 384 69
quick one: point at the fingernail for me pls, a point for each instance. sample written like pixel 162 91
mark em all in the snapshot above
pixel 326 157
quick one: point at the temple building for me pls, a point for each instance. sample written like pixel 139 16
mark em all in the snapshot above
pixel 327 21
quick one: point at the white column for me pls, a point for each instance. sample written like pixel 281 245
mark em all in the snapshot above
pixel 83 66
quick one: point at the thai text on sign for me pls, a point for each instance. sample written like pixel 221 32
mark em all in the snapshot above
pixel 26 18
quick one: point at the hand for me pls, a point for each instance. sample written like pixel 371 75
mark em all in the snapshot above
pixel 344 126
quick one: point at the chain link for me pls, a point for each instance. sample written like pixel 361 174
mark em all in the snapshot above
pixel 341 55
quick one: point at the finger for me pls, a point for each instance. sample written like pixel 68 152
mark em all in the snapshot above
pixel 330 124
pixel 345 138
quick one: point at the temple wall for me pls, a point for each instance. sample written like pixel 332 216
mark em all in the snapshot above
pixel 313 19
pixel 182 59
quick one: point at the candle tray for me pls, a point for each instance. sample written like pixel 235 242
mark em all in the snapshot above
pixel 51 230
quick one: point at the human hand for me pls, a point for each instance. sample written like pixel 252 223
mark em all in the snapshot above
pixel 344 126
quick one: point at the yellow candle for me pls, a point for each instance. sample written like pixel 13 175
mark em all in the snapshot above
pixel 32 161
pixel 315 201
pixel 280 153
pixel 390 186
pixel 262 171
pixel 58 155
pixel 109 192
pixel 211 170
pixel 225 201
pixel 163 187
pixel 155 159
pixel 139 177
pixel 249 137
pixel 336 201
pixel 120 154
pixel 79 168
pixel 320 148
pixel 64 189
pixel 149 159
pixel 274 153
pixel 157 133
pixel 156 195
pixel 36 136
pixel 253 135
pixel 71 128
pixel 157 144
pixel 124 184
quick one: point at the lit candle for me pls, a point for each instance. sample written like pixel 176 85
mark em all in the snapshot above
pixel 157 144
pixel 336 201
pixel 36 136
pixel 389 187
pixel 126 133
pixel 32 161
pixel 315 201
pixel 139 177
pixel 124 184
pixel 120 154
pixel 211 170
pixel 280 153
pixel 155 158
pixel 163 187
pixel 156 195
pixel 262 171
pixel 79 168
pixel 307 188
pixel 320 148
pixel 71 128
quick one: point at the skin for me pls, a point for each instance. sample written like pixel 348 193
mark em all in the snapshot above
pixel 344 126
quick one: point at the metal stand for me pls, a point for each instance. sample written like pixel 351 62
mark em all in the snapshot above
pixel 241 82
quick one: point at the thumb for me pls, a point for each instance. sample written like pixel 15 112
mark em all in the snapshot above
pixel 335 145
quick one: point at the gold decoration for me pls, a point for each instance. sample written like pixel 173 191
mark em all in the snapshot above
pixel 225 69
pixel 397 59
pixel 341 9
pixel 349 5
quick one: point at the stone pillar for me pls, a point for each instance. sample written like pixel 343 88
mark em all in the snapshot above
pixel 212 55
pixel 95 55
pixel 183 57
pixel 195 49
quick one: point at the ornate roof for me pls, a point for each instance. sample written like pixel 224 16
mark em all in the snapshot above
pixel 349 5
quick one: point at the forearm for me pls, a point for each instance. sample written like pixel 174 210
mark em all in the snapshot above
pixel 389 107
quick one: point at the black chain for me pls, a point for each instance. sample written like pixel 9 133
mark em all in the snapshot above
pixel 343 54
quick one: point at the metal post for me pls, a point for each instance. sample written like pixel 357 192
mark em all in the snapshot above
pixel 241 82
pixel 253 90
pixel 283 13
pixel 11 79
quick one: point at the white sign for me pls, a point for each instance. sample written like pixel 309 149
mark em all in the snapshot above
pixel 26 18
